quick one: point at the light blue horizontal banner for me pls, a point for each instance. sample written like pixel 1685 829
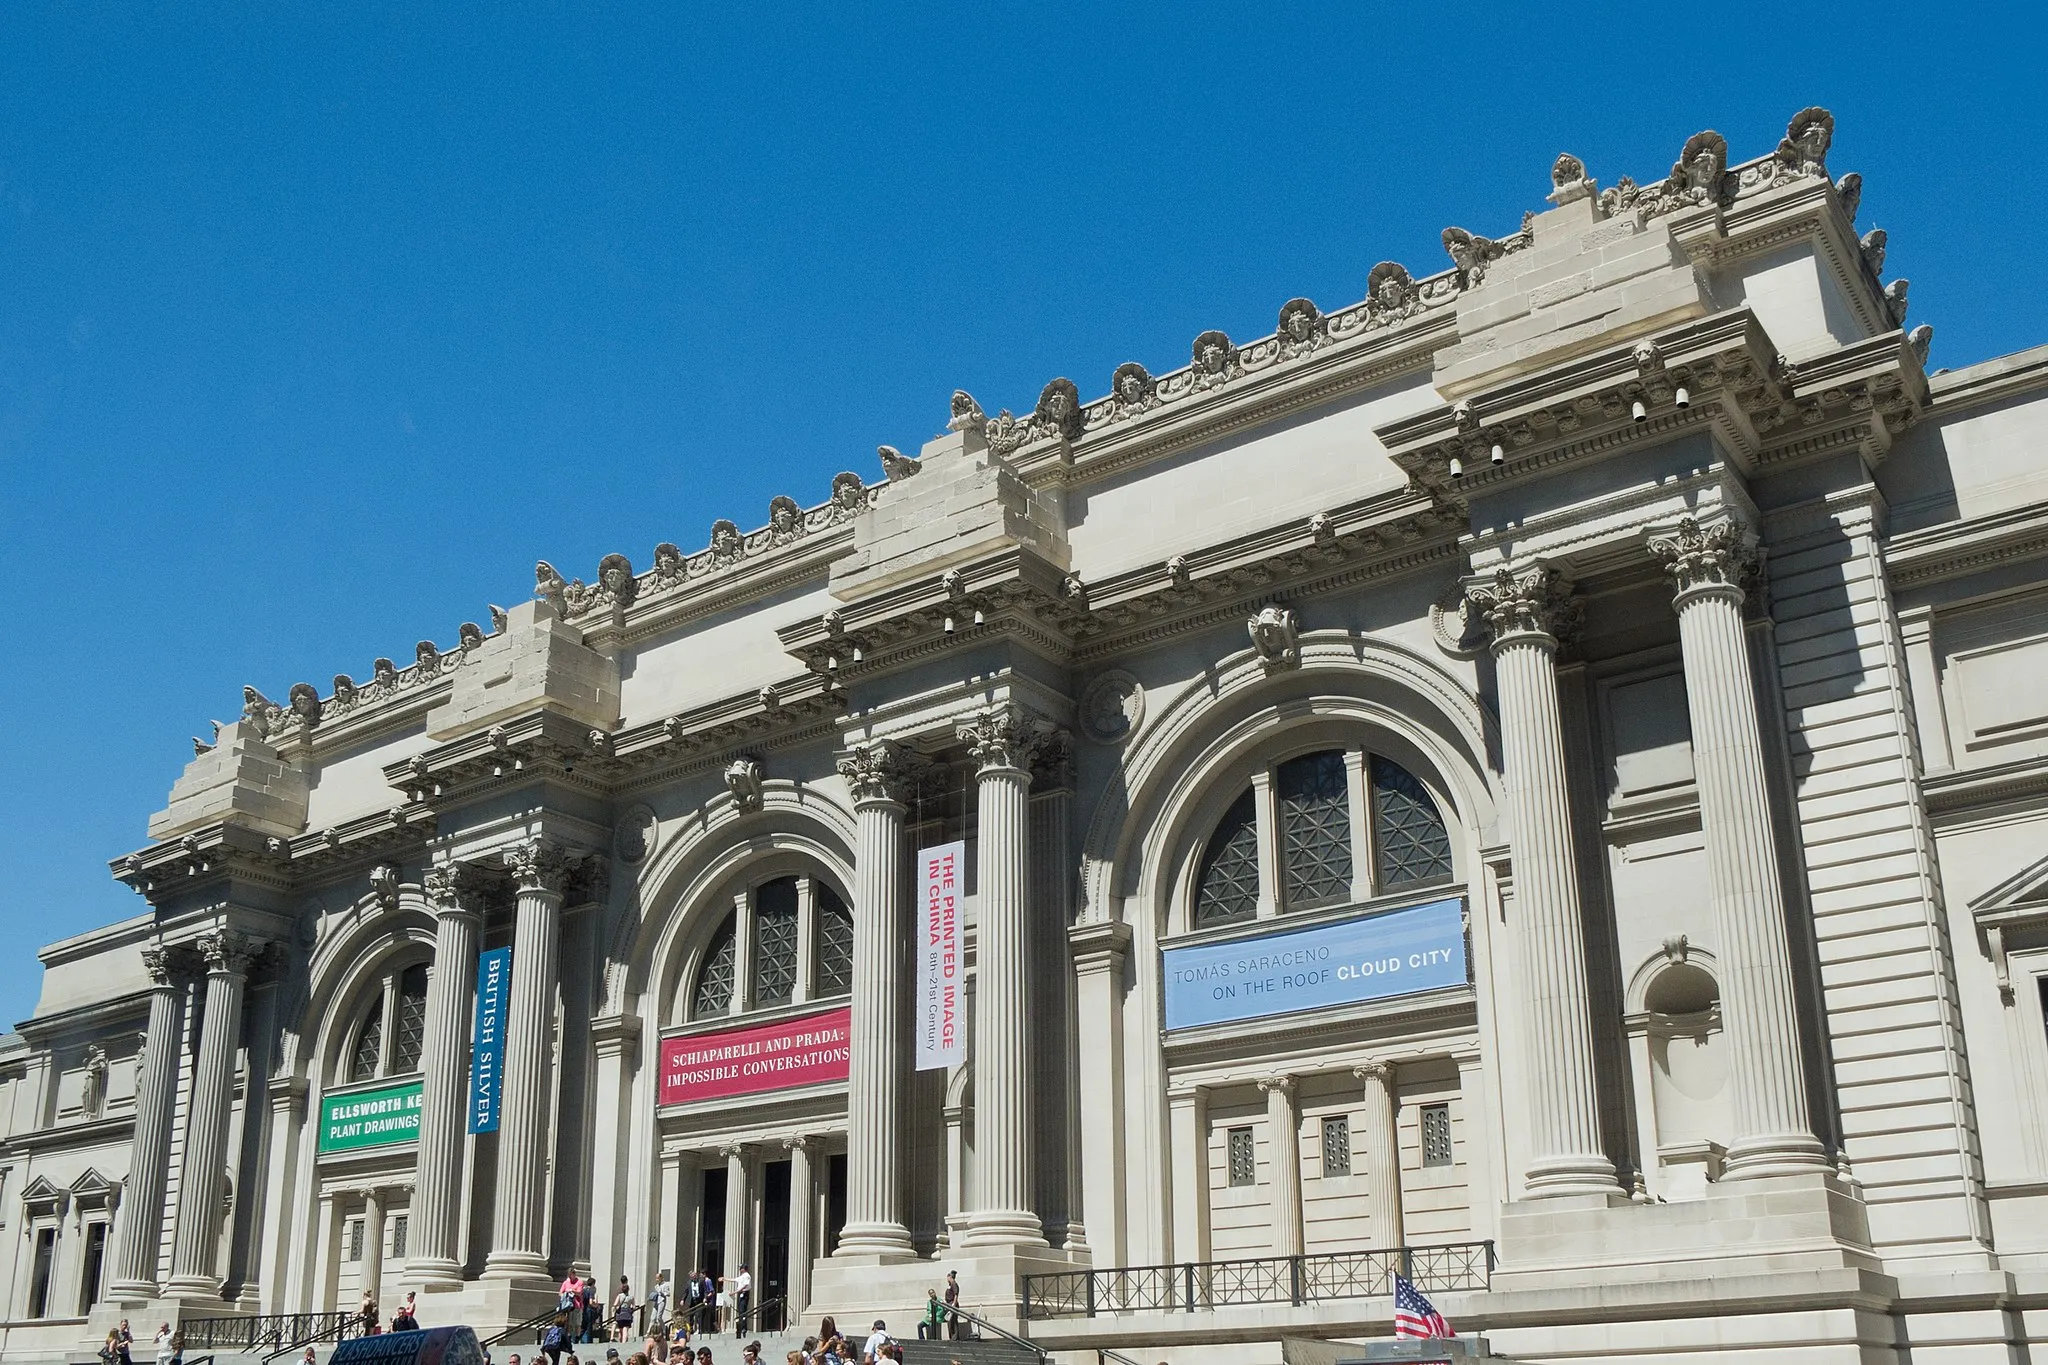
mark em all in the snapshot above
pixel 1373 957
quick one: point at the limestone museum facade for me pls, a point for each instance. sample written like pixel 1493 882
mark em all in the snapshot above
pixel 1538 777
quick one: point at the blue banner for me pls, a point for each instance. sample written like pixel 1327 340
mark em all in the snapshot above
pixel 487 1055
pixel 1373 957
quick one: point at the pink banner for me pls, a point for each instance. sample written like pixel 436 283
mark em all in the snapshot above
pixel 742 1061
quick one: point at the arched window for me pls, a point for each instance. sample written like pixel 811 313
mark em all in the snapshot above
pixel 835 945
pixel 369 1049
pixel 788 941
pixel 411 1037
pixel 1229 886
pixel 715 978
pixel 390 1033
pixel 1413 845
pixel 1315 828
pixel 1335 825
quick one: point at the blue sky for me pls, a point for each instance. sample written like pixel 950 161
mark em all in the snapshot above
pixel 319 326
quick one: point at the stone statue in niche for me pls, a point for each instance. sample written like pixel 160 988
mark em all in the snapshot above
pixel 92 1097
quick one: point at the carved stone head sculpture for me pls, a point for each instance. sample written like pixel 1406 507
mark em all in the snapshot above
pixel 1697 175
pixel 1807 139
pixel 1059 408
pixel 1131 385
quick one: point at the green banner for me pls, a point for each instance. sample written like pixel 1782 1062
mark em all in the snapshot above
pixel 370 1118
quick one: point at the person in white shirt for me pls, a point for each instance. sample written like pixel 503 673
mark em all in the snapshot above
pixel 871 1349
pixel 741 1288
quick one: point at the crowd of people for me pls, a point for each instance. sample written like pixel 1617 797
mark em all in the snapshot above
pixel 673 1323
pixel 671 1326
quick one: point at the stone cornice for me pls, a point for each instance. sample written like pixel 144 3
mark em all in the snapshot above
pixel 99 1132
pixel 98 1016
pixel 1991 381
pixel 1761 409
pixel 1584 408
pixel 1970 789
pixel 1955 549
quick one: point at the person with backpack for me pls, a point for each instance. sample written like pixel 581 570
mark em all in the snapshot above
pixel 554 1341
pixel 622 1312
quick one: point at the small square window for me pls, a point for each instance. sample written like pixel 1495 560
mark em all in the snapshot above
pixel 1244 1168
pixel 1436 1134
pixel 398 1231
pixel 1337 1145
pixel 355 1239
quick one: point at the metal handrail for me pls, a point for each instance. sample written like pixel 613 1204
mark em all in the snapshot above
pixel 1295 1280
pixel 1104 1353
pixel 254 1333
pixel 529 1325
pixel 984 1325
pixel 758 1313
pixel 337 1331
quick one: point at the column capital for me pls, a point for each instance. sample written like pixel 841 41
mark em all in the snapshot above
pixel 1379 1072
pixel 455 888
pixel 537 865
pixel 1720 558
pixel 802 1142
pixel 228 952
pixel 615 1034
pixel 1282 1085
pixel 166 964
pixel 879 771
pixel 733 1151
pixel 1005 736
pixel 1533 605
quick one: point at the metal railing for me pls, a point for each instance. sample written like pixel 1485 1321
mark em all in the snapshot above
pixel 535 1325
pixel 1294 1280
pixel 248 1334
pixel 984 1329
pixel 341 1328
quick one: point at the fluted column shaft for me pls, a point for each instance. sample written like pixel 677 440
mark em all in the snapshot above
pixel 1772 1133
pixel 1524 611
pixel 519 1214
pixel 432 1232
pixel 372 1272
pixel 195 1244
pixel 1382 1152
pixel 142 1207
pixel 803 1198
pixel 738 1203
pixel 874 1091
pixel 999 740
pixel 1283 1125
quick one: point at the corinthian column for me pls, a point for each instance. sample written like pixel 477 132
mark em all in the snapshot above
pixel 141 1230
pixel 1382 1156
pixel 432 1231
pixel 538 870
pixel 999 739
pixel 1525 610
pixel 876 774
pixel 1772 1134
pixel 195 1244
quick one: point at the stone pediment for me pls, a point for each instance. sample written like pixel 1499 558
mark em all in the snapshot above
pixel 41 1199
pixel 2013 913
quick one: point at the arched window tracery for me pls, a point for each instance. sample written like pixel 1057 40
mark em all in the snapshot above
pixel 389 1033
pixel 1320 829
pixel 787 940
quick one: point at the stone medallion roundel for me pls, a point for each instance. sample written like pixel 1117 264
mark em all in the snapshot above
pixel 1112 707
pixel 637 829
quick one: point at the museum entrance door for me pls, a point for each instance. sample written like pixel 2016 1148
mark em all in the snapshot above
pixel 773 1271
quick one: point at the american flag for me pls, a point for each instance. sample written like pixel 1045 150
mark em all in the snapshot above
pixel 1415 1316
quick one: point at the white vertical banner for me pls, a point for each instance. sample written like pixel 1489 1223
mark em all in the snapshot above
pixel 941 1000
